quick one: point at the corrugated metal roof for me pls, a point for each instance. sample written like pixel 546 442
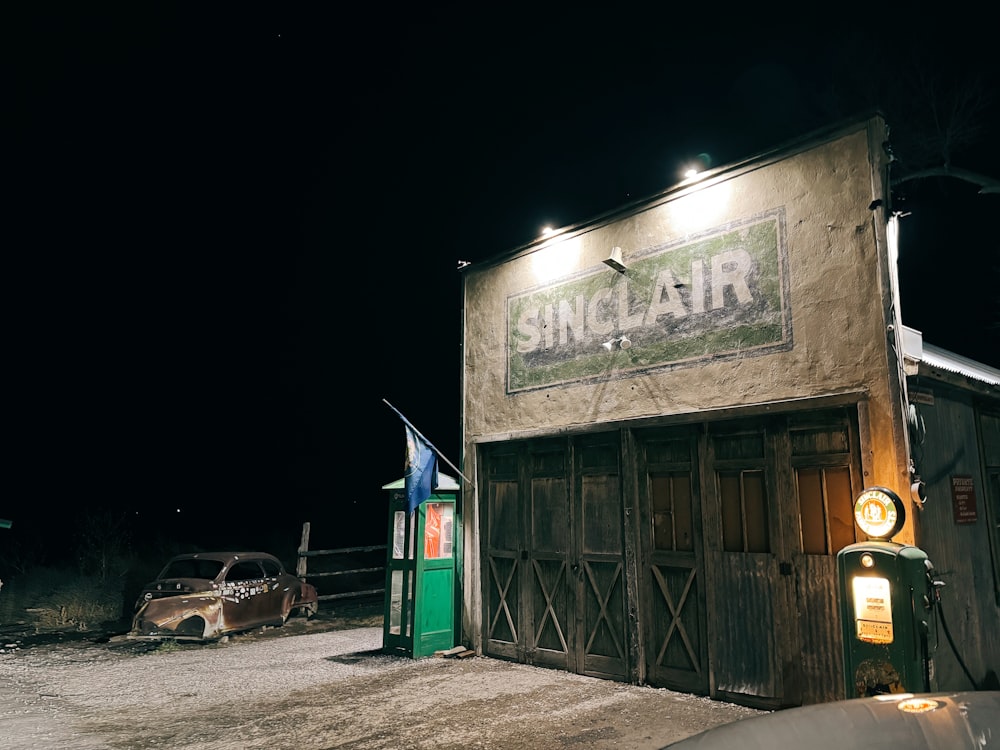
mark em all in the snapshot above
pixel 914 348
pixel 945 360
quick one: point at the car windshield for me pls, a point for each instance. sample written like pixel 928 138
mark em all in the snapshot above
pixel 192 568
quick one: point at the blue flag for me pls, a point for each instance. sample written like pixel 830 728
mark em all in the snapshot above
pixel 421 476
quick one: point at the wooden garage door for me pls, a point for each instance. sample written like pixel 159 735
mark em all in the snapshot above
pixel 781 492
pixel 554 573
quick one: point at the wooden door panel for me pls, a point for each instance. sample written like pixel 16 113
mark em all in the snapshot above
pixel 601 643
pixel 673 590
pixel 825 478
pixel 604 626
pixel 502 574
pixel 674 640
pixel 550 608
pixel 503 604
pixel 743 633
pixel 818 622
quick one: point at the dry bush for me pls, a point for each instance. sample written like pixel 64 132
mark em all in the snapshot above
pixel 60 599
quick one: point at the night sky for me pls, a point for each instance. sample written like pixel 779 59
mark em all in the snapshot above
pixel 232 234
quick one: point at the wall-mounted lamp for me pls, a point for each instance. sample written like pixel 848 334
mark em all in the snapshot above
pixel 615 260
pixel 623 342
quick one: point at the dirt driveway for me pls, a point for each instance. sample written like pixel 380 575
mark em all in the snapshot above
pixel 311 686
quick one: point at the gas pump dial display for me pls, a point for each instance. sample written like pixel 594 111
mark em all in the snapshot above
pixel 872 609
pixel 879 512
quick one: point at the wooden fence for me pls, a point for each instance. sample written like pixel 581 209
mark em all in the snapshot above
pixel 344 582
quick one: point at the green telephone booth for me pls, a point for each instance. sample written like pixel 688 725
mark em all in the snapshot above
pixel 421 566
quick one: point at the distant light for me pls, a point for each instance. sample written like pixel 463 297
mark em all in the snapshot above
pixel 546 231
pixel 690 173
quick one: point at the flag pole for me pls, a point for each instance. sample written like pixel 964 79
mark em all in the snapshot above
pixel 429 443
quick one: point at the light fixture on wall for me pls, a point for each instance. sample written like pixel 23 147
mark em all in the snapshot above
pixel 615 260
pixel 622 342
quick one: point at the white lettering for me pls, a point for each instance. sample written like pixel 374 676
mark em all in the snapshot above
pixel 527 325
pixel 571 320
pixel 597 324
pixel 730 270
pixel 666 298
pixel 547 341
pixel 605 314
pixel 627 321
pixel 697 287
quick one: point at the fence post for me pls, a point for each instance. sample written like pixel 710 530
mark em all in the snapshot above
pixel 300 565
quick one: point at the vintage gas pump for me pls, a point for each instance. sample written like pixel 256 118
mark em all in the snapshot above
pixel 886 603
pixel 421 569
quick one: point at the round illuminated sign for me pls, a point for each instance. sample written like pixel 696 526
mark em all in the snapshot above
pixel 917 705
pixel 879 512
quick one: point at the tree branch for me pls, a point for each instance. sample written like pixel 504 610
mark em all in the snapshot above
pixel 987 185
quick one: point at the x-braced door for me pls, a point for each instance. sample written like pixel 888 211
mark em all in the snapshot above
pixel 600 558
pixel 554 576
pixel 673 585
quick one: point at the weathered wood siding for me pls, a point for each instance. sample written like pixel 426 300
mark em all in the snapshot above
pixel 820 641
pixel 960 552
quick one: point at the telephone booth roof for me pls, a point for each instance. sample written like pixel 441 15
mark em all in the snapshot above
pixel 445 483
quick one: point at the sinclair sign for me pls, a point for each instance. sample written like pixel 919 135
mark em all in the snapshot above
pixel 718 295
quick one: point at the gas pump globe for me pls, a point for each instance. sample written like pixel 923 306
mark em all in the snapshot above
pixel 885 593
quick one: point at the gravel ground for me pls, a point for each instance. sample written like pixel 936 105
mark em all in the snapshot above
pixel 309 687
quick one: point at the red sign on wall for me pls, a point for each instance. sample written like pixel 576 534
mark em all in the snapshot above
pixel 963 499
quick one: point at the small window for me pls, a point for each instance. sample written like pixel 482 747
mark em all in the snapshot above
pixel 244 570
pixel 744 512
pixel 438 523
pixel 271 568
pixel 826 513
pixel 672 516
pixel 192 567
pixel 399 535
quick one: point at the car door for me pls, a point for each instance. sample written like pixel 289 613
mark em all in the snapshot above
pixel 248 601
pixel 276 581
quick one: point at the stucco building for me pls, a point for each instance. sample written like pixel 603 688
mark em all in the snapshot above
pixel 669 411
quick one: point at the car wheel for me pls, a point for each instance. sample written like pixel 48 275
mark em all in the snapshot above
pixel 192 626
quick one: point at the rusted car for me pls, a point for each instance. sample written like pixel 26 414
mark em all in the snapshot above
pixel 205 596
